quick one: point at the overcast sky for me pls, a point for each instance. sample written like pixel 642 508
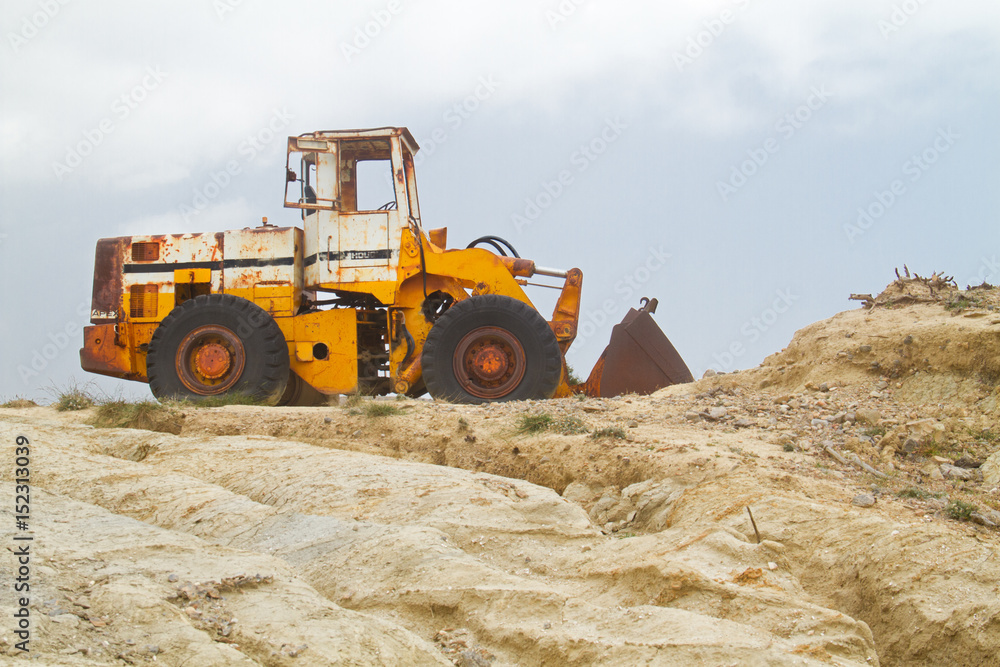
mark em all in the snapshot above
pixel 748 163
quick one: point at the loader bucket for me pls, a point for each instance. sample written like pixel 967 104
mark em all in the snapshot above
pixel 639 359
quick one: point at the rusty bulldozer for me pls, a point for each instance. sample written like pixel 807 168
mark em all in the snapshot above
pixel 361 298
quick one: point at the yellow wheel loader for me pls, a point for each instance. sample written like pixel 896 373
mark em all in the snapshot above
pixel 360 298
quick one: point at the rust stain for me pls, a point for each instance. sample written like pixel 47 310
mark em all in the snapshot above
pixel 566 314
pixel 524 268
pixel 108 279
pixel 104 352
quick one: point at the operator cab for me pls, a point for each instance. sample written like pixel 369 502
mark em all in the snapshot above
pixel 357 191
pixel 351 171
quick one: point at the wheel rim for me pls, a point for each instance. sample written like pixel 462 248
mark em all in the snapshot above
pixel 489 362
pixel 210 360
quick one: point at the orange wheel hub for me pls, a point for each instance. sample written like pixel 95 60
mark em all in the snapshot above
pixel 489 362
pixel 210 360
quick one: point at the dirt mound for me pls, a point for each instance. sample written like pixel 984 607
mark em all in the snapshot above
pixel 501 558
pixel 937 342
pixel 526 575
pixel 830 507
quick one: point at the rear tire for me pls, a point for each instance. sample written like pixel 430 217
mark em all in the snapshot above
pixel 299 393
pixel 214 345
pixel 491 348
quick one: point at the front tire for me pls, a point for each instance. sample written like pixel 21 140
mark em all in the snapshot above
pixel 491 348
pixel 217 344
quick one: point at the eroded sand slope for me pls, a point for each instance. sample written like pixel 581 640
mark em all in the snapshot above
pixel 444 535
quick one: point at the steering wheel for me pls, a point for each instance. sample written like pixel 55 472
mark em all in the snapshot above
pixel 388 206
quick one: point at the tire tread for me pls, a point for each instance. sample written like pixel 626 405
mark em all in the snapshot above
pixel 437 355
pixel 273 355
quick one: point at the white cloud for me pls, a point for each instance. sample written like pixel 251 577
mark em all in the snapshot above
pixel 223 75
pixel 228 214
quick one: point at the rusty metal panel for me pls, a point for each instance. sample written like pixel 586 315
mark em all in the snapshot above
pixel 145 251
pixel 143 300
pixel 262 255
pixel 174 252
pixel 373 133
pixel 108 283
pixel 639 359
pixel 182 248
pixel 104 353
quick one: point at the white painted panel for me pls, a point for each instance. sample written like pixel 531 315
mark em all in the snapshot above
pixel 364 240
pixel 259 254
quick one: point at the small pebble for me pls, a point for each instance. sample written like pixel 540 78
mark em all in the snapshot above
pixel 863 500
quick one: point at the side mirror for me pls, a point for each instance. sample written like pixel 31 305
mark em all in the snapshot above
pixel 290 176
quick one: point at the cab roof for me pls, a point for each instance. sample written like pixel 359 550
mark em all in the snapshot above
pixel 378 132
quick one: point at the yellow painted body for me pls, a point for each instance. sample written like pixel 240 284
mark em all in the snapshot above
pixel 455 272
pixel 383 255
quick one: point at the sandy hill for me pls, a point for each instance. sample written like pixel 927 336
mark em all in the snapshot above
pixel 837 505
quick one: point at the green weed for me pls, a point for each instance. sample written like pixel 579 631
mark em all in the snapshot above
pixel 571 425
pixel 73 397
pixel 19 402
pixel 381 409
pixel 535 423
pixel 610 432
pixel 120 413
pixel 231 398
pixel 912 492
pixel 960 510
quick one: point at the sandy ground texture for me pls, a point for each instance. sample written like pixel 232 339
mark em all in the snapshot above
pixel 837 505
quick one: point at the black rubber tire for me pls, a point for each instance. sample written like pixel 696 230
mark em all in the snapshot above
pixel 265 370
pixel 543 358
pixel 417 390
